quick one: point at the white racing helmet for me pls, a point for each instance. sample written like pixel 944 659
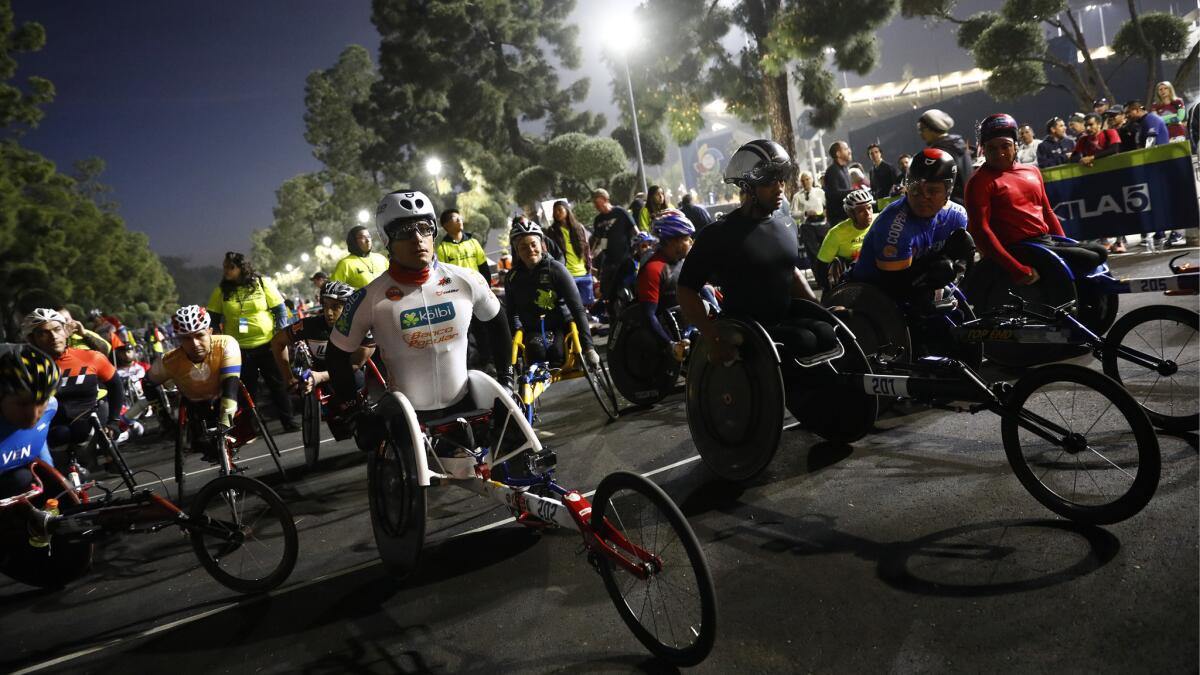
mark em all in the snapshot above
pixel 403 206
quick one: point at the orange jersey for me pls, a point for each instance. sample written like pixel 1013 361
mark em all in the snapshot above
pixel 200 381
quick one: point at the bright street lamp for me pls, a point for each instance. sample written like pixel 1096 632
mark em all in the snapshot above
pixel 288 267
pixel 621 34
pixel 303 257
pixel 434 166
pixel 326 241
pixel 364 216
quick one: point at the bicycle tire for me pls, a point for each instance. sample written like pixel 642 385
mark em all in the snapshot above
pixel 1041 476
pixel 244 527
pixel 696 637
pixel 602 386
pixel 310 429
pixel 1185 417
pixel 397 501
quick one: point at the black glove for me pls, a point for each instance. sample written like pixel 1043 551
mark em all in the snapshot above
pixel 505 377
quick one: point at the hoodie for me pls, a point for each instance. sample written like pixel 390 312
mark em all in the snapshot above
pixel 957 147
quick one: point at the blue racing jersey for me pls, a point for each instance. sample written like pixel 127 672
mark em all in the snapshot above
pixel 19 447
pixel 898 237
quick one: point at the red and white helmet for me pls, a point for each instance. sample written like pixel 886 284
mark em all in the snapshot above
pixel 190 319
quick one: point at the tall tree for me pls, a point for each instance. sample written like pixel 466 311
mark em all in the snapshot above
pixel 459 78
pixel 683 62
pixel 1152 36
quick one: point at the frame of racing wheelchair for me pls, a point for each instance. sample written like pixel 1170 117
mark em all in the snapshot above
pixel 533 378
pixel 315 402
pixel 635 537
pixel 241 531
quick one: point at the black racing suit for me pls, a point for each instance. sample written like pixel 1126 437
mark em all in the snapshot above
pixel 545 290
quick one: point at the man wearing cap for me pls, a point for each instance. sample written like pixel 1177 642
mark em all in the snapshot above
pixel 318 281
pixel 1007 204
pixel 1057 146
pixel 934 127
pixel 1100 106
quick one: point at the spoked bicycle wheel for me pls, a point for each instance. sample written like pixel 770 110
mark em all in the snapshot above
pixel 602 386
pixel 673 611
pixel 243 534
pixel 1165 333
pixel 310 429
pixel 397 500
pixel 1080 444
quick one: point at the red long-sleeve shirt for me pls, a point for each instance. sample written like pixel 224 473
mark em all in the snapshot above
pixel 1004 207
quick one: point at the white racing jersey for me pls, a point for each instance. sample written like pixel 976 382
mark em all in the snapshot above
pixel 421 330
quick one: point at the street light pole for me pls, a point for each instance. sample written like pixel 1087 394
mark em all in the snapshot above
pixel 637 136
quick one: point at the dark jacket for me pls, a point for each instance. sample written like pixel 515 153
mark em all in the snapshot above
pixel 957 147
pixel 545 290
pixel 837 186
pixel 697 214
pixel 882 178
pixel 1053 152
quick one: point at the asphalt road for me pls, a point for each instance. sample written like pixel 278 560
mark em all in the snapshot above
pixel 915 550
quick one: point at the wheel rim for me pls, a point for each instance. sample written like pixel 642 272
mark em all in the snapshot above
pixel 1170 392
pixel 1097 462
pixel 602 387
pixel 392 498
pixel 252 545
pixel 667 604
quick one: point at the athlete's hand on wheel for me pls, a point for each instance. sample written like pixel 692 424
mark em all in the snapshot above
pixel 592 358
pixel 1029 279
pixel 679 349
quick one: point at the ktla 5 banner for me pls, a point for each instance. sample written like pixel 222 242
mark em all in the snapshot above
pixel 1136 192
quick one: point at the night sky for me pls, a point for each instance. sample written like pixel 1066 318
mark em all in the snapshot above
pixel 197 107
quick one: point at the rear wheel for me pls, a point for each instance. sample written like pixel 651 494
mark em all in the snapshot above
pixel 243 534
pixel 310 429
pixel 602 387
pixel 1094 457
pixel 673 610
pixel 397 499
pixel 1165 333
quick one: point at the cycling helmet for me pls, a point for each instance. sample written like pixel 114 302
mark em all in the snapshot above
pixel 643 238
pixel 522 226
pixel 672 223
pixel 38 317
pixel 190 319
pixel 932 164
pixel 999 125
pixel 28 371
pixel 857 198
pixel 337 290
pixel 758 162
pixel 404 206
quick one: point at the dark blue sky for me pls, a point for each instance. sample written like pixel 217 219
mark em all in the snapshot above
pixel 197 106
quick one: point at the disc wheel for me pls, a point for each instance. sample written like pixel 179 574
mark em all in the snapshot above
pixel 397 500
pixel 642 368
pixel 1164 333
pixel 310 429
pixel 1099 460
pixel 673 611
pixel 602 386
pixel 243 534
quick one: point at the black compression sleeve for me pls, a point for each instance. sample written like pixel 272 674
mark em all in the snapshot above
pixel 116 397
pixel 341 373
pixel 500 340
pixel 231 387
pixel 565 286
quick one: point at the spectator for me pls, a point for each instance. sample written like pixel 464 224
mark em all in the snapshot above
pixel 1057 146
pixel 1075 125
pixel 1095 142
pixel 1150 127
pixel 883 175
pixel 837 182
pixel 697 214
pixel 809 201
pixel 318 281
pixel 858 179
pixel 902 163
pixel 570 237
pixel 360 266
pixel 613 231
pixel 1171 109
pixel 934 127
pixel 656 203
pixel 1027 147
pixel 1116 119
pixel 1101 106
pixel 458 247
pixel 636 206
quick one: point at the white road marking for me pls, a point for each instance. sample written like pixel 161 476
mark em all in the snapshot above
pixel 215 467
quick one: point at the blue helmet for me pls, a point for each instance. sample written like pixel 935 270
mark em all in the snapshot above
pixel 643 238
pixel 672 223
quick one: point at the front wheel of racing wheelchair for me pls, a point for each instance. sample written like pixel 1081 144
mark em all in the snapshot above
pixel 735 410
pixel 642 367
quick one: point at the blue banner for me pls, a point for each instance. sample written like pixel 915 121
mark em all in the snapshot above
pixel 1136 192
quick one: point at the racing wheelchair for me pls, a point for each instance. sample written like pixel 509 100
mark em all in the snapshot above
pixel 240 530
pixel 1076 440
pixel 316 403
pixel 635 537
pixel 535 376
pixel 642 368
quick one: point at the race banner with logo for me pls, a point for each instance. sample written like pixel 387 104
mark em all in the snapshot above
pixel 706 156
pixel 1135 192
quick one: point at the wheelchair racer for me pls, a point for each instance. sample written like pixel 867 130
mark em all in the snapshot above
pixel 658 276
pixel 314 332
pixel 845 239
pixel 539 286
pixel 1007 204
pixel 28 380
pixel 919 243
pixel 206 369
pixel 419 311
pixel 752 255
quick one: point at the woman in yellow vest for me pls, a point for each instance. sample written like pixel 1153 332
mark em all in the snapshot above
pixel 247 306
pixel 361 265
pixel 570 237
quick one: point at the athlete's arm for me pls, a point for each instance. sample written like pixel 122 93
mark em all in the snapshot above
pixel 565 286
pixel 979 213
pixel 649 282
pixel 279 349
pixel 829 246
pixel 800 287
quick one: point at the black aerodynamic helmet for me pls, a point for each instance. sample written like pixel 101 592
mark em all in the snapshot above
pixel 932 164
pixel 757 162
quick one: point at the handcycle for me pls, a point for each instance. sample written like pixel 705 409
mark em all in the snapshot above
pixel 189 432
pixel 635 537
pixel 643 369
pixel 316 401
pixel 241 531
pixel 534 377
pixel 1076 440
